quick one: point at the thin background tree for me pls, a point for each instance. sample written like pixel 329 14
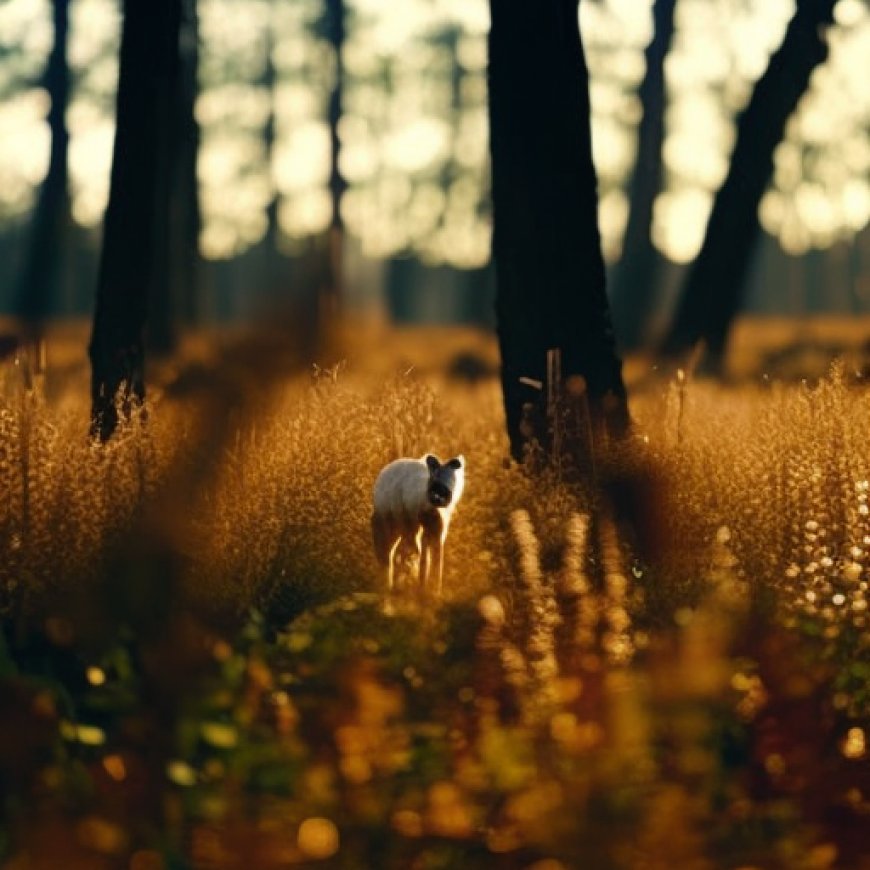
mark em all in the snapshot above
pixel 636 276
pixel 48 244
pixel 715 287
pixel 177 272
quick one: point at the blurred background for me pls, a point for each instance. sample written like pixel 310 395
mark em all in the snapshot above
pixel 290 159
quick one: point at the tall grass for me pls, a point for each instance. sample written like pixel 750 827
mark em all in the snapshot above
pixel 785 469
pixel 285 514
pixel 67 502
pixel 590 668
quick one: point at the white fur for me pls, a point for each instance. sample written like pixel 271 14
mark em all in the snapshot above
pixel 405 519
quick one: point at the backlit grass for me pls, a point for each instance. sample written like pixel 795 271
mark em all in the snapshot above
pixel 666 666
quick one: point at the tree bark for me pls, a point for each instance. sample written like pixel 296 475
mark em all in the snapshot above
pixel 635 278
pixel 136 223
pixel 714 290
pixel 546 243
pixel 51 219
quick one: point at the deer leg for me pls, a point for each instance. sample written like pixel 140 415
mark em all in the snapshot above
pixel 438 557
pixel 425 562
pixel 407 553
pixel 391 565
pixel 381 539
pixel 433 530
pixel 385 540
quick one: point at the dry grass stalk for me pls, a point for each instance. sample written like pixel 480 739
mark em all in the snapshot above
pixel 616 639
pixel 540 613
pixel 575 587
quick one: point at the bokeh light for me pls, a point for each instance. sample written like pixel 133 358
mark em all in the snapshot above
pixel 821 189
pixel 719 50
pixel 95 34
pixel 413 134
pixel 25 40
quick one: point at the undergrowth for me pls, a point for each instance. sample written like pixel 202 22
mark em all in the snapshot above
pixel 611 676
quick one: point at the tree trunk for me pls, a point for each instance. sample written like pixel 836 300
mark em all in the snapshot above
pixel 270 82
pixel 546 244
pixel 188 215
pixel 51 219
pixel 636 276
pixel 332 286
pixel 325 252
pixel 175 288
pixel 714 290
pixel 136 224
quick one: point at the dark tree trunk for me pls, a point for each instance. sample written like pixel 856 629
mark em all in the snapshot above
pixel 269 82
pixel 635 278
pixel 546 244
pixel 51 219
pixel 137 217
pixel 335 29
pixel 188 217
pixel 332 285
pixel 175 287
pixel 714 290
pixel 324 253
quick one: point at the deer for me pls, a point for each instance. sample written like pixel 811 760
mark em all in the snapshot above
pixel 414 501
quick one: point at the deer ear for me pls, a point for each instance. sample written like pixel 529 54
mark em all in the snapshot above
pixel 457 462
pixel 432 463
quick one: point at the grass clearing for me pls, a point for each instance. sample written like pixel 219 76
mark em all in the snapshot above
pixel 668 669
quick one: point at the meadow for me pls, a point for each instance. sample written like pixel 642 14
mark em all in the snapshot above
pixel 661 663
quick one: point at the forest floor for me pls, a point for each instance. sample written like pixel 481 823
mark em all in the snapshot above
pixel 665 666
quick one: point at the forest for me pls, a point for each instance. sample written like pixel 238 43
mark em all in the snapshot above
pixel 434 434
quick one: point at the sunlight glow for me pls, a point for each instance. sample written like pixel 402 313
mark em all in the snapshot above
pixel 717 54
pixel 823 166
pixel 679 221
pixel 612 218
pixel 301 159
pixel 24 147
pixel 856 203
pixel 90 162
pixel 232 109
pixel 94 30
pixel 305 214
pixel 414 138
pixel 95 33
pixel 848 13
pixel 615 34
pixel 25 25
pixel 416 147
pixel 233 103
pixel 25 40
pixel 234 192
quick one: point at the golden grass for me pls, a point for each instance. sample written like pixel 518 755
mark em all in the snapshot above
pixel 283 511
pixel 586 645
